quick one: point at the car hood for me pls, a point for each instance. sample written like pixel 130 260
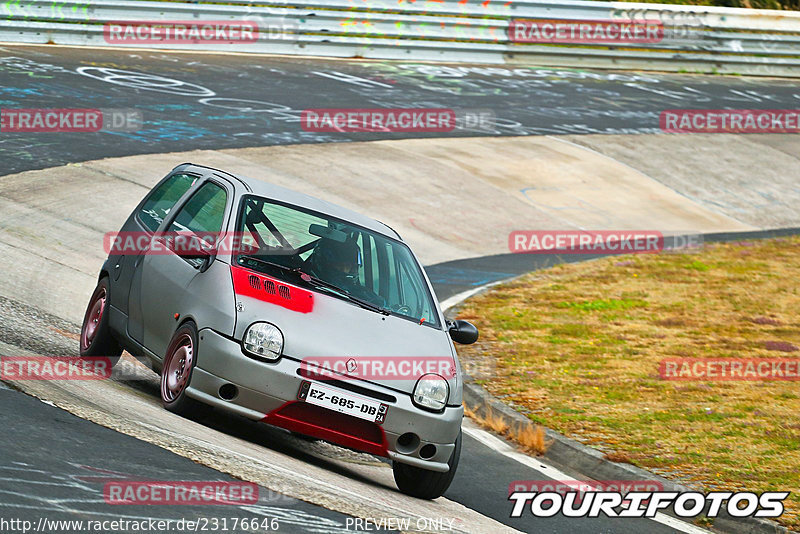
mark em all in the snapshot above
pixel 330 331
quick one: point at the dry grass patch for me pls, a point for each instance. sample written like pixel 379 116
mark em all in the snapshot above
pixel 579 347
pixel 530 437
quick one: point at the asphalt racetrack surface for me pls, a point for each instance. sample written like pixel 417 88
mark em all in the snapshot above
pixel 207 101
pixel 55 467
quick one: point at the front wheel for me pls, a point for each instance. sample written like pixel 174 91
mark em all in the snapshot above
pixel 176 372
pixel 423 483
pixel 96 338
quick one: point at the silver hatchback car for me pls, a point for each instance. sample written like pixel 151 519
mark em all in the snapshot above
pixel 285 309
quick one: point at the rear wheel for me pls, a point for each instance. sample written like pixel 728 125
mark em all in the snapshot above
pixel 96 338
pixel 176 372
pixel 423 483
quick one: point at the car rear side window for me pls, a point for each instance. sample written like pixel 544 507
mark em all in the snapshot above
pixel 163 199
pixel 203 213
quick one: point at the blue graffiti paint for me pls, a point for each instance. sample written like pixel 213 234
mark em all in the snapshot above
pixel 166 107
pixel 158 131
pixel 19 92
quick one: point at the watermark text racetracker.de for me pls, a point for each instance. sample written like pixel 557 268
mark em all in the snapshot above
pixel 580 487
pixel 377 367
pixel 598 241
pixel 183 242
pixel 131 492
pixel 585 31
pixel 687 504
pixel 53 120
pixel 726 369
pixel 54 368
pixel 37 367
pixel 195 32
pixel 730 120
pixel 390 120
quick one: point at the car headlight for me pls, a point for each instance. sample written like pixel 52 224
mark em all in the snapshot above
pixel 263 340
pixel 431 392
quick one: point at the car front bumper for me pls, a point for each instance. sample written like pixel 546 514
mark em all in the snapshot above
pixel 266 392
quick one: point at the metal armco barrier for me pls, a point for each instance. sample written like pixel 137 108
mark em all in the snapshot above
pixel 692 38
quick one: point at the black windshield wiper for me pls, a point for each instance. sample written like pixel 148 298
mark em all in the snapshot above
pixel 319 283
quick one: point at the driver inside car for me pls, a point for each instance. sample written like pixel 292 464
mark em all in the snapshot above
pixel 337 263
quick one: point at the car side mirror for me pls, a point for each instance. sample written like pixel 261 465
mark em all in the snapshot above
pixel 462 332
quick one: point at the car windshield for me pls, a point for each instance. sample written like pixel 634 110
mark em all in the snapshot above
pixel 332 256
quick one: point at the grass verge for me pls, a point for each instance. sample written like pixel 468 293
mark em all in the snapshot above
pixel 577 348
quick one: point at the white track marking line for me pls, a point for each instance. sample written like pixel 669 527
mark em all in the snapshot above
pixel 464 295
pixel 677 524
pixel 26 469
pixel 39 482
pixel 500 446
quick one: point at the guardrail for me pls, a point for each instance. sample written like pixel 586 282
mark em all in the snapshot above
pixel 691 38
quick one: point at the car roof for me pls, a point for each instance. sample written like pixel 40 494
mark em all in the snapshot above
pixel 295 198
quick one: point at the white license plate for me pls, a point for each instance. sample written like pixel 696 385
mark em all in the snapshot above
pixel 343 402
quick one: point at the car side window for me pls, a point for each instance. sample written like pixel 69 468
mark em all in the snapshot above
pixel 163 199
pixel 203 213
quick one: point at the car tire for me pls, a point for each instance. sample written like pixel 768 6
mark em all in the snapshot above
pixel 96 338
pixel 176 372
pixel 423 483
